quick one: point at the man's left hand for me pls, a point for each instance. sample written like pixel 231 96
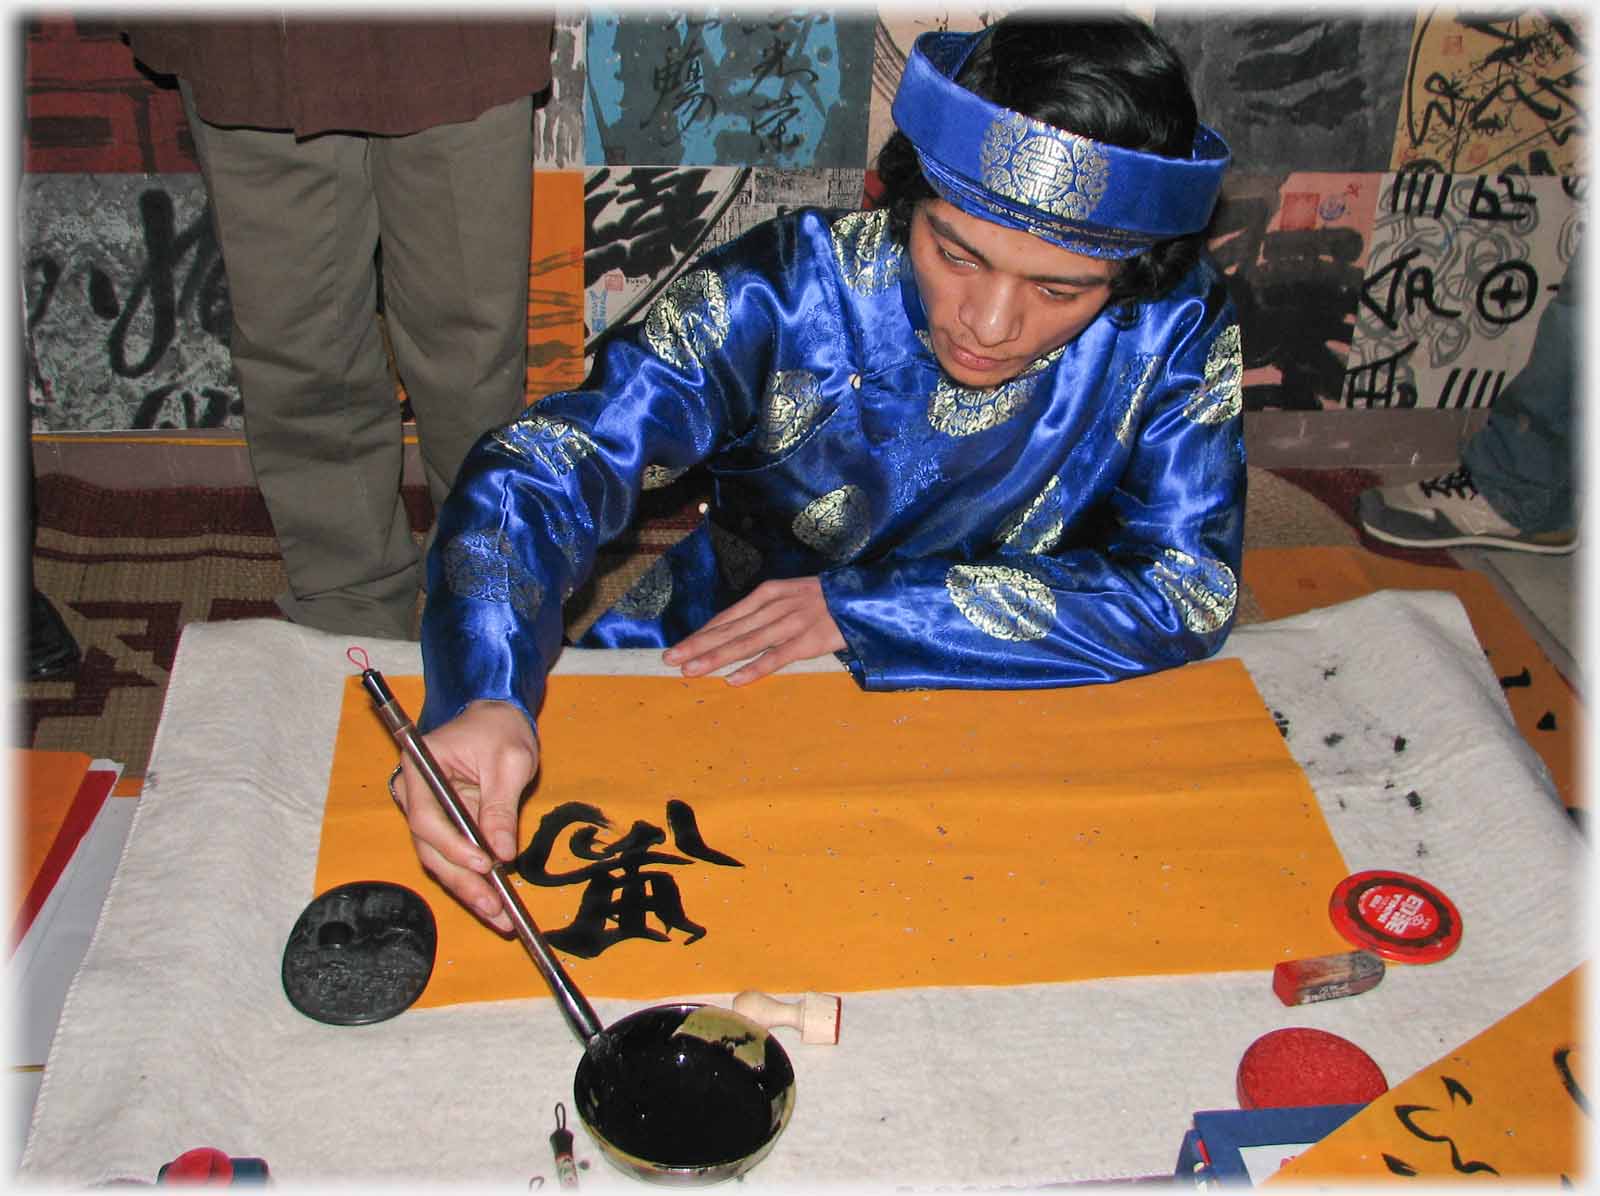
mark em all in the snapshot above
pixel 777 623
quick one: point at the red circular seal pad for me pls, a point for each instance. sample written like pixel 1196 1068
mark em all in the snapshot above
pixel 1396 916
pixel 1301 1066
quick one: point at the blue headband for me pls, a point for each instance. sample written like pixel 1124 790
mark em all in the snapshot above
pixel 1095 199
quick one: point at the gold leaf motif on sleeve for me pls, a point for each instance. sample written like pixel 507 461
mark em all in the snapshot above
pixel 554 443
pixel 658 477
pixel 483 566
pixel 790 405
pixel 835 525
pixel 690 319
pixel 648 596
pixel 1203 589
pixel 1136 380
pixel 738 561
pixel 868 257
pixel 1002 602
pixel 1037 527
pixel 1221 395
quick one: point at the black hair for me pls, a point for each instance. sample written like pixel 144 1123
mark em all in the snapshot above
pixel 1107 77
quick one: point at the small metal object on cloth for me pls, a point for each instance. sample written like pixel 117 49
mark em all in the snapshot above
pixel 561 1145
pixel 393 777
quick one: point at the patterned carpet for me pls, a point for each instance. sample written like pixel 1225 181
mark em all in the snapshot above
pixel 128 569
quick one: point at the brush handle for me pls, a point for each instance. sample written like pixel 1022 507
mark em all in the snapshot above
pixel 579 1013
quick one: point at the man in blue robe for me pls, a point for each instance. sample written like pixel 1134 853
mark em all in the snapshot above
pixel 988 434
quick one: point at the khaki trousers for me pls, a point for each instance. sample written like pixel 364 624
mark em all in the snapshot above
pixel 298 221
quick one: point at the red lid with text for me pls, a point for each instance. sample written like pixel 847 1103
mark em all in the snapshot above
pixel 1396 916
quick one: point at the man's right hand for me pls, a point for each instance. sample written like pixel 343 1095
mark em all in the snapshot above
pixel 489 753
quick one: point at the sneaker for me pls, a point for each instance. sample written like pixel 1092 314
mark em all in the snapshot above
pixel 1448 512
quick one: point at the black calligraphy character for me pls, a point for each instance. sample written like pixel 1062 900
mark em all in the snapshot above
pixel 1486 205
pixel 1407 1115
pixel 771 124
pixel 660 218
pixel 619 895
pixel 1507 292
pixel 157 285
pixel 1372 384
pixel 679 84
pixel 1420 193
pixel 1418 289
pixel 1563 1061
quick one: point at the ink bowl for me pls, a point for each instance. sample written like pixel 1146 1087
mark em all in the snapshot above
pixel 685 1094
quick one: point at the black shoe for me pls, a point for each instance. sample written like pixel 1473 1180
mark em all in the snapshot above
pixel 52 652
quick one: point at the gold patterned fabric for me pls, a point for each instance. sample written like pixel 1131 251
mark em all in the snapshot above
pixel 836 524
pixel 690 320
pixel 1004 603
pixel 1079 523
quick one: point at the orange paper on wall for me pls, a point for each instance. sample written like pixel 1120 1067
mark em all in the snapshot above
pixel 885 840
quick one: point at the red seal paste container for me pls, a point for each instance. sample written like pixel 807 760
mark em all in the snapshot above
pixel 1396 916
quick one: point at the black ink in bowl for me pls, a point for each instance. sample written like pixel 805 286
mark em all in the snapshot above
pixel 684 1091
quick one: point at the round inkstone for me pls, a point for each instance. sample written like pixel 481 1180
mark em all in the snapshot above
pixel 360 953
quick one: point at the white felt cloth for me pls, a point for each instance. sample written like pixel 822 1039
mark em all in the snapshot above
pixel 176 1032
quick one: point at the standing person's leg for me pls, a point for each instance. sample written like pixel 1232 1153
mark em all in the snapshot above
pixel 455 205
pixel 1516 484
pixel 51 650
pixel 298 227
pixel 1522 461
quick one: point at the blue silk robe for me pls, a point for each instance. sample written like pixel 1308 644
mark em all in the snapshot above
pixel 1079 523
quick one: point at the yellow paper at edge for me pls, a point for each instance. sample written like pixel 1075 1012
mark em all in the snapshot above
pixel 888 840
pixel 1505 1101
pixel 1288 581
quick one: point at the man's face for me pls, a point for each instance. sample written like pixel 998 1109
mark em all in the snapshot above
pixel 997 297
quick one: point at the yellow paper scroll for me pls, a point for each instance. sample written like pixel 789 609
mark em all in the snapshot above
pixel 1508 1106
pixel 886 840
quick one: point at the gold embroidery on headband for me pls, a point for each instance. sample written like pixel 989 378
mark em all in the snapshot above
pixel 1032 164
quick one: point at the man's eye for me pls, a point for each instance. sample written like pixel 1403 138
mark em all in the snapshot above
pixel 953 259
